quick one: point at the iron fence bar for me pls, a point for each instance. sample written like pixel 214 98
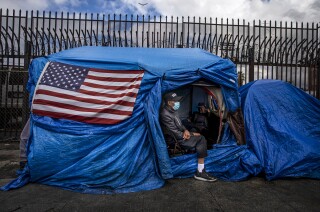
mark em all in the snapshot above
pixel 259 49
pixel 155 41
pixel 177 35
pixel 55 33
pixel 25 103
pixel 318 64
pixel 285 53
pixel 306 60
pixel 12 35
pixel 278 54
pixel 244 53
pixel 311 78
pixel 318 74
pixel 301 47
pixel 188 32
pixel 36 33
pixel 275 71
pixel 295 53
pixel 252 54
pixel 6 30
pixel 19 38
pixel 1 45
pixel 62 39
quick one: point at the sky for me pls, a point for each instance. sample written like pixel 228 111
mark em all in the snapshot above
pixel 274 10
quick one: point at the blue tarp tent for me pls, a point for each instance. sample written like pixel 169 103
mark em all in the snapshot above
pixel 282 125
pixel 132 155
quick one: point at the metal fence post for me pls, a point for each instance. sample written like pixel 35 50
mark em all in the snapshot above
pixel 251 63
pixel 318 75
pixel 25 104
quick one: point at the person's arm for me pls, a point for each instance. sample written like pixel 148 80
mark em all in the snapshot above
pixel 169 123
pixel 182 128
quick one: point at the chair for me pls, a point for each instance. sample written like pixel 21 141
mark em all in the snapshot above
pixel 174 148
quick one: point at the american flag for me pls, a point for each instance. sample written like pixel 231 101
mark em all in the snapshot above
pixel 86 94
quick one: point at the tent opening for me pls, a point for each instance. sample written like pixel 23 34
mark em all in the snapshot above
pixel 202 110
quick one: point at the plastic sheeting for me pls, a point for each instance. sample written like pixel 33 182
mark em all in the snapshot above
pixel 132 155
pixel 283 128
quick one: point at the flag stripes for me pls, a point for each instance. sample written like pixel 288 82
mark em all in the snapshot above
pixel 86 95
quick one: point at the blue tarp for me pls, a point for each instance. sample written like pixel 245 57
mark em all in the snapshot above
pixel 282 126
pixel 132 156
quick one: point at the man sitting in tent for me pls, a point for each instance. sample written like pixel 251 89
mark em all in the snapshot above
pixel 172 127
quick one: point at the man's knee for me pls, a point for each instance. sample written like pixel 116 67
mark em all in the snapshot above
pixel 200 141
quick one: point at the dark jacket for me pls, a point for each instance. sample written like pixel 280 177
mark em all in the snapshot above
pixel 201 120
pixel 171 124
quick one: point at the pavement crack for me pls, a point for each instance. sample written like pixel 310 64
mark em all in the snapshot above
pixel 215 200
pixel 18 208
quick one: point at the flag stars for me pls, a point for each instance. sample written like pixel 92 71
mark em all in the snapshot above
pixel 64 76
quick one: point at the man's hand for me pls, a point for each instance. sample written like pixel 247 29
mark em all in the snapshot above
pixel 186 135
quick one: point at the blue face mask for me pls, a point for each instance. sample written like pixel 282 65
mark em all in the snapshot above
pixel 176 105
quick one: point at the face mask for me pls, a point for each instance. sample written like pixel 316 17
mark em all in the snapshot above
pixel 176 105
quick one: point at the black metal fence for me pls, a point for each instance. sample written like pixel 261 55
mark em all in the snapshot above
pixel 261 49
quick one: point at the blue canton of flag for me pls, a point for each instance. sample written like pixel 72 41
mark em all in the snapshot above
pixel 64 76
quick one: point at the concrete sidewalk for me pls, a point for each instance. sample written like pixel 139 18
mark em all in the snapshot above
pixel 255 194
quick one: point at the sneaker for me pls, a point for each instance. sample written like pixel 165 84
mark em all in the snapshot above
pixel 204 176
